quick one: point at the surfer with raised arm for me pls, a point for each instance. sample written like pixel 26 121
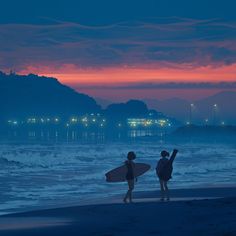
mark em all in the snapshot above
pixel 164 171
pixel 130 177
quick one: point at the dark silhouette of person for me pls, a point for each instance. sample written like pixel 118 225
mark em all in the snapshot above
pixel 164 171
pixel 130 175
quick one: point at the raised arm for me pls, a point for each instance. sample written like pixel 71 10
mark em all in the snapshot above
pixel 173 155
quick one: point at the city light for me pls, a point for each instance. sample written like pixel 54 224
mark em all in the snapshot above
pixel 215 110
pixel 142 122
pixel 206 121
pixel 93 121
pixel 162 122
pixel 192 106
pixel 31 120
pixel 85 119
pixel 74 120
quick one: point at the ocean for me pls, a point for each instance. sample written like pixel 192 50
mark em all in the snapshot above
pixel 36 176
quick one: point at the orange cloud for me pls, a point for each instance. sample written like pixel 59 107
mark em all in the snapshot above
pixel 70 74
pixel 86 80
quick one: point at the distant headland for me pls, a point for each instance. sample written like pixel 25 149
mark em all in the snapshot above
pixel 32 102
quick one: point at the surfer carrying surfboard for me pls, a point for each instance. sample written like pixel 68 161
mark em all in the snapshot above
pixel 130 177
pixel 164 171
pixel 128 172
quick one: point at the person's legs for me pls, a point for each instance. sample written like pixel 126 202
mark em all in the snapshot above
pixel 131 187
pixel 129 192
pixel 126 196
pixel 162 189
pixel 166 190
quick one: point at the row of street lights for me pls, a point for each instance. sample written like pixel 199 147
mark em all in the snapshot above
pixel 214 114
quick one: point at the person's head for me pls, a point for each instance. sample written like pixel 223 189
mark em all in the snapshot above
pixel 165 153
pixel 131 156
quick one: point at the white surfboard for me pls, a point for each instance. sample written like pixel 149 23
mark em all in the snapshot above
pixel 119 174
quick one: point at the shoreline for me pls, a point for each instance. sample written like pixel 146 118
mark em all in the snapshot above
pixel 177 194
pixel 191 217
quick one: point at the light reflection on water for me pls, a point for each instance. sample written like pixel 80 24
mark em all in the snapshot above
pixel 71 135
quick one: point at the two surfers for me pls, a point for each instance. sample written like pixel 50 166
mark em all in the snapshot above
pixel 164 171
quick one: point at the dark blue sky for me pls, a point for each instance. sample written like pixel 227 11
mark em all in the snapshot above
pixel 99 12
pixel 92 43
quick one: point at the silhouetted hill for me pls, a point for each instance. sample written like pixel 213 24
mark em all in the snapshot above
pixel 26 96
pixel 32 95
pixel 121 111
pixel 132 108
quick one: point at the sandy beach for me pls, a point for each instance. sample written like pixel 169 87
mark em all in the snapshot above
pixel 210 211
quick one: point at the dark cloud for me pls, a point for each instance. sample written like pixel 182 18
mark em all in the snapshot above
pixel 137 42
pixel 168 85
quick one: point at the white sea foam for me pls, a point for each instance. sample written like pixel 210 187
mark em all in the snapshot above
pixel 42 174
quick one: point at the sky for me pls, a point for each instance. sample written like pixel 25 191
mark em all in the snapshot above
pixel 117 50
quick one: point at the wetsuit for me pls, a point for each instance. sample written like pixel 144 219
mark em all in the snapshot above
pixel 130 172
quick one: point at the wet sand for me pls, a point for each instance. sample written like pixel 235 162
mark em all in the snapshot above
pixel 209 211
